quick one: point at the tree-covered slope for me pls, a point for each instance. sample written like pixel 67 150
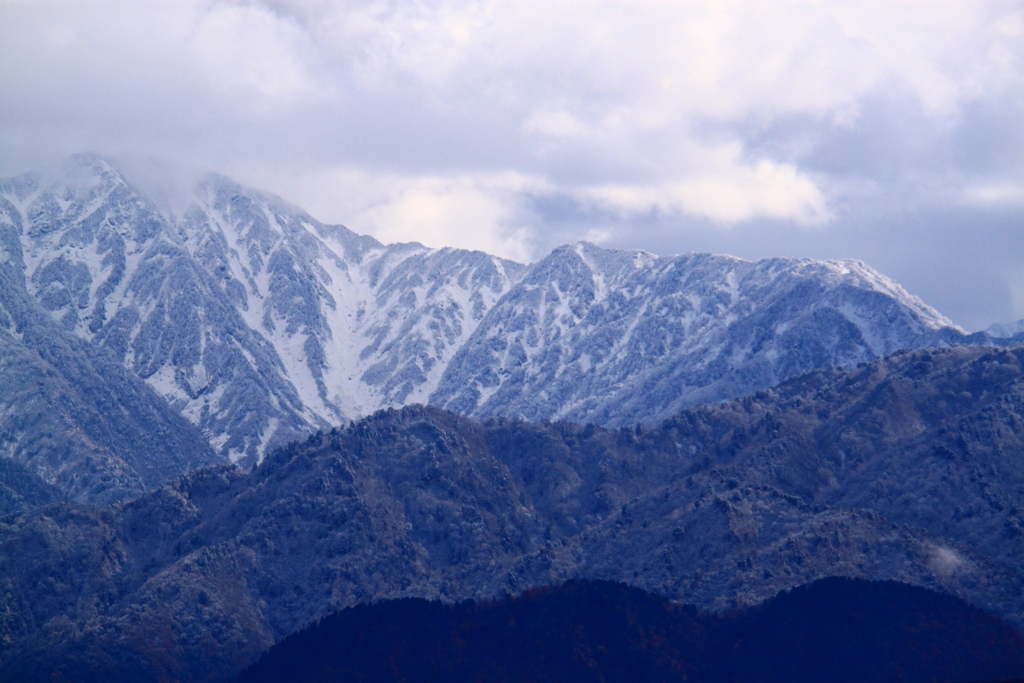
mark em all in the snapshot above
pixel 904 469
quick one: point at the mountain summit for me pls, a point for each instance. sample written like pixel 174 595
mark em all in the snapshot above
pixel 256 321
pixel 260 324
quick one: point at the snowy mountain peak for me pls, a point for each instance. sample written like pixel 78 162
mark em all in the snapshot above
pixel 1006 330
pixel 259 323
pixel 255 320
pixel 616 337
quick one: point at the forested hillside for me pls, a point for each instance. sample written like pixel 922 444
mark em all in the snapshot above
pixel 905 468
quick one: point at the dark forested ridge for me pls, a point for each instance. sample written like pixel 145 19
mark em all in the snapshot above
pixel 836 630
pixel 906 468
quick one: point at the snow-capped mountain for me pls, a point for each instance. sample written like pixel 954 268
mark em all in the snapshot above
pixel 261 324
pixel 614 337
pixel 1006 330
pixel 253 319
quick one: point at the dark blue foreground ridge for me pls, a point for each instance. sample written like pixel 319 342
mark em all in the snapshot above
pixel 836 629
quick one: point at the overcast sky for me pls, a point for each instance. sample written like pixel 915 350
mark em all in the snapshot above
pixel 885 131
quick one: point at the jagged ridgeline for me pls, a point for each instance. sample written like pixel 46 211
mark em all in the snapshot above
pixel 258 323
pixel 836 630
pixel 906 468
pixel 262 325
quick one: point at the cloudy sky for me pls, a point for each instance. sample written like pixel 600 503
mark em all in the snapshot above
pixel 891 132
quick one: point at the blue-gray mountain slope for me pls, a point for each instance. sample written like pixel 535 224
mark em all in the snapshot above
pixel 906 468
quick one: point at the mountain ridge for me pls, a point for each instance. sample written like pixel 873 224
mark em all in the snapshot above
pixel 621 337
pixel 261 324
pixel 835 629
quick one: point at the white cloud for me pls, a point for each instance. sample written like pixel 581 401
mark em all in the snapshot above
pixel 480 211
pixel 384 40
pixel 1001 194
pixel 698 58
pixel 554 123
pixel 252 48
pixel 597 235
pixel 724 188
pixel 450 211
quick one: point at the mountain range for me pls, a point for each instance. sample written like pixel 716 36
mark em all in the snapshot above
pixel 260 325
pixel 219 425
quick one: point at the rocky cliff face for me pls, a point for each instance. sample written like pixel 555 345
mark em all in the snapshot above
pixel 904 468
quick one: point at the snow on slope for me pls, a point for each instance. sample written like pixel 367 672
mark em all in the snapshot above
pixel 257 322
pixel 1006 330
pixel 72 418
pixel 358 326
pixel 617 337
pixel 261 324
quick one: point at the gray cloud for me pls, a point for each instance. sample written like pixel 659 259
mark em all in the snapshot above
pixel 887 131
